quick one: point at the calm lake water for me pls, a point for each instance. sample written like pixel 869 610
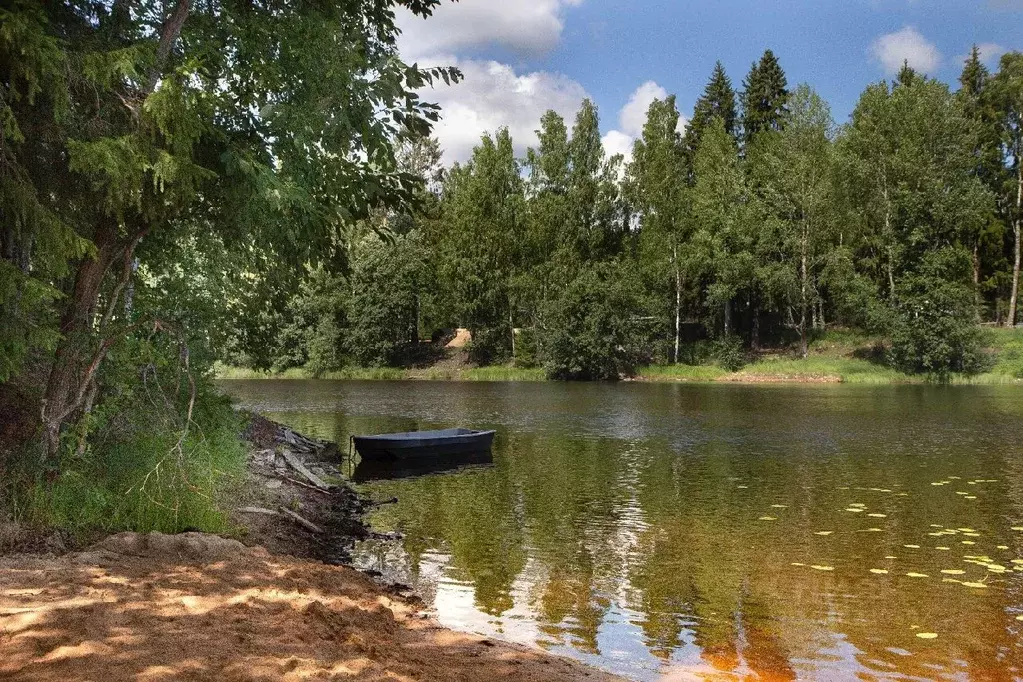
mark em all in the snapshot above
pixel 680 532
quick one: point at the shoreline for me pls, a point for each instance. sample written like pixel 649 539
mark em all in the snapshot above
pixel 280 601
pixel 690 374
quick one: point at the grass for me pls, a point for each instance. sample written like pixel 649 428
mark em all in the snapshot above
pixel 134 478
pixel 492 373
pixel 681 373
pixel 838 356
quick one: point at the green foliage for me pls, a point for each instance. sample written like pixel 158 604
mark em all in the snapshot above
pixel 590 332
pixel 934 327
pixel 764 98
pixel 386 286
pixel 730 353
pixel 135 477
pixel 484 209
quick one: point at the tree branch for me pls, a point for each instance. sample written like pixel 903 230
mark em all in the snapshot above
pixel 169 33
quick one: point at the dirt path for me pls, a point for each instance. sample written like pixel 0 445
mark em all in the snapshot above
pixel 200 607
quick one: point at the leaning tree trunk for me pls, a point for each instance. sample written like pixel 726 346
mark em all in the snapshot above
pixel 64 387
pixel 77 358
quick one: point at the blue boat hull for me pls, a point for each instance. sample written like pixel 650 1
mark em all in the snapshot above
pixel 422 444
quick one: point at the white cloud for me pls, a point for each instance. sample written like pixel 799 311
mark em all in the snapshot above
pixel 632 118
pixel 530 27
pixel 617 142
pixel 991 52
pixel 492 96
pixel 893 49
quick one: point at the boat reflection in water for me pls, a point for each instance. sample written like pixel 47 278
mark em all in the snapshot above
pixel 378 470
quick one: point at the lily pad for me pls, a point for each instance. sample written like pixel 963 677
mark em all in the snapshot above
pixel 927 635
pixel 953 571
pixel 879 571
pixel 917 575
pixel 822 568
pixel 977 585
pixel 767 518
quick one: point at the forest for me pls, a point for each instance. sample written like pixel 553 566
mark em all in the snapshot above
pixel 759 224
pixel 187 184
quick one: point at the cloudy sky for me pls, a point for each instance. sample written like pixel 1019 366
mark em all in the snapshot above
pixel 522 57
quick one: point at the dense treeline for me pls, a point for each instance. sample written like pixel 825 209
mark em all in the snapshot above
pixel 760 222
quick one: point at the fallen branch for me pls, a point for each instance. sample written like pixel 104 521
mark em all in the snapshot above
pixel 393 500
pixel 304 522
pixel 257 510
pixel 290 458
pixel 305 485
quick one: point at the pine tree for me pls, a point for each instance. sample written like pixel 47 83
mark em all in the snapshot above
pixel 975 96
pixel 907 75
pixel 764 98
pixel 717 101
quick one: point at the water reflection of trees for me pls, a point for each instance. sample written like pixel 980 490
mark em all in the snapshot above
pixel 669 533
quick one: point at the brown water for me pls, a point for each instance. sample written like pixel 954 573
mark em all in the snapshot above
pixel 709 532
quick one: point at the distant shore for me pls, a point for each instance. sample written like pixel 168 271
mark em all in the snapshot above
pixel 839 357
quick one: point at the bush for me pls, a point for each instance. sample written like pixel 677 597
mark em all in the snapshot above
pixel 133 475
pixel 590 331
pixel 730 353
pixel 933 321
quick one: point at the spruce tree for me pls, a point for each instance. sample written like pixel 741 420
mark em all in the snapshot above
pixel 717 101
pixel 975 96
pixel 764 98
pixel 907 75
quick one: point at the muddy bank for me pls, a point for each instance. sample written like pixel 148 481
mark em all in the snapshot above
pixel 199 607
pixel 294 499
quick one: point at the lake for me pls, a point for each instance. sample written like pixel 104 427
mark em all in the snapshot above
pixel 707 532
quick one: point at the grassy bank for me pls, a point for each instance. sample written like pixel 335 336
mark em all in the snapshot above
pixel 836 357
pixel 492 373
pixel 144 471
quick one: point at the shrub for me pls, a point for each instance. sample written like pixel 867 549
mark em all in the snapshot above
pixel 933 320
pixel 730 353
pixel 590 330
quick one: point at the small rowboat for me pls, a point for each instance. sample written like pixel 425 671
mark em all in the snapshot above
pixel 419 444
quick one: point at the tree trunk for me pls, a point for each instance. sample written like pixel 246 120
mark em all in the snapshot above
pixel 728 317
pixel 1010 319
pixel 64 383
pixel 1016 227
pixel 511 328
pixel 678 302
pixel 803 350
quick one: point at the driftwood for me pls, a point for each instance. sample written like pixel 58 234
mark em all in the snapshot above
pixel 300 442
pixel 301 521
pixel 284 511
pixel 291 459
pixel 257 510
pixel 305 485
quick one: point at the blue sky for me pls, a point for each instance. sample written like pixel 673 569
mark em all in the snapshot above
pixel 521 57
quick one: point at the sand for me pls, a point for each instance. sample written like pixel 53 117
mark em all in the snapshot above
pixel 200 607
